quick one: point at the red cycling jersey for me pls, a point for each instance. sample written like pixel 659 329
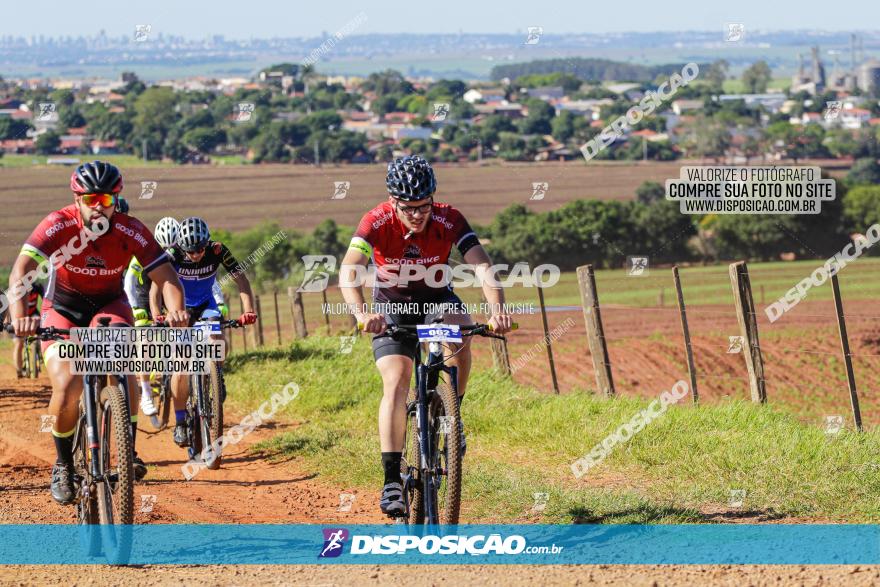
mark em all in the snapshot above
pixel 382 236
pixel 91 267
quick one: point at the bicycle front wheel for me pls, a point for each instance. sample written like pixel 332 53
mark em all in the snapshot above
pixel 116 491
pixel 211 416
pixel 410 466
pixel 445 427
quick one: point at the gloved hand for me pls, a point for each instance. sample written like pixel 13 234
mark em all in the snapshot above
pixel 141 317
pixel 248 318
pixel 224 311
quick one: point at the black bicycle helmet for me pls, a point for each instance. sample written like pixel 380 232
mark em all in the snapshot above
pixel 193 235
pixel 96 177
pixel 410 178
pixel 122 205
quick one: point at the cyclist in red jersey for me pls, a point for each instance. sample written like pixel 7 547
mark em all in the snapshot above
pixel 85 249
pixel 33 300
pixel 411 229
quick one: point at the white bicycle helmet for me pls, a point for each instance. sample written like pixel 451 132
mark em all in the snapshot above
pixel 167 231
pixel 194 234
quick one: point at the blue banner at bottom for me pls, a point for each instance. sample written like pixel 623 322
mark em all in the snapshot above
pixel 463 544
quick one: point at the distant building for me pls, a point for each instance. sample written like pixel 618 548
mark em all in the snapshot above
pixel 812 82
pixel 546 93
pixel 681 106
pixel 869 77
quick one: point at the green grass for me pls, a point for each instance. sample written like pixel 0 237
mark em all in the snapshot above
pixel 521 442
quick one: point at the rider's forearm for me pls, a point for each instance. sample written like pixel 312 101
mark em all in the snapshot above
pixel 16 295
pixel 494 294
pixel 245 293
pixel 354 297
pixel 172 296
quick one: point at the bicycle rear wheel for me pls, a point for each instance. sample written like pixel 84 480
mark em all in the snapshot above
pixel 37 358
pixel 116 490
pixel 446 456
pixel 26 359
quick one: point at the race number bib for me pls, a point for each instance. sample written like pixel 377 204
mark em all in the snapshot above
pixel 439 332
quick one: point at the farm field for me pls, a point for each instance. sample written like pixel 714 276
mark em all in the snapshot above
pixel 237 197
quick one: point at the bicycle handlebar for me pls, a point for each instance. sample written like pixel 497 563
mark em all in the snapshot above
pixel 485 330
pixel 223 324
pixel 49 333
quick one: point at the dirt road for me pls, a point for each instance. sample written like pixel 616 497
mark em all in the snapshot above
pixel 252 490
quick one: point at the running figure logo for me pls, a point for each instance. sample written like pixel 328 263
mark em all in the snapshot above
pixel 340 190
pixel 334 538
pixel 638 266
pixel 539 189
pixel 47 112
pixel 318 270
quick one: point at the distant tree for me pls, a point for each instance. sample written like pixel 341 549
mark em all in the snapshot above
pixel 562 126
pixel 539 117
pixel 13 129
pixel 862 207
pixel 716 75
pixel 204 140
pixel 48 143
pixel 864 172
pixel 650 191
pixel 756 77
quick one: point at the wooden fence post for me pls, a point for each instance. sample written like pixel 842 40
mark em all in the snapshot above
pixel 277 316
pixel 243 330
pixel 547 340
pixel 595 332
pixel 847 356
pixel 259 309
pixel 297 312
pixel 748 325
pixel 687 335
pixel 324 309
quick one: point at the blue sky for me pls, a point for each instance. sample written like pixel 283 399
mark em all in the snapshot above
pixel 262 18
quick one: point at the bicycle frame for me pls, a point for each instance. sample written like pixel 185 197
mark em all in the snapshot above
pixel 427 378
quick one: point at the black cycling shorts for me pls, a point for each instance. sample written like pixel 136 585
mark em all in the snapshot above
pixel 384 345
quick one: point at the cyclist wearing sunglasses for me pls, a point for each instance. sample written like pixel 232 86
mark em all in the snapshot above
pixel 410 228
pixel 85 284
pixel 197 259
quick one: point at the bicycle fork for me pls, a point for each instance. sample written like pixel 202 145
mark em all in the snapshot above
pixel 93 429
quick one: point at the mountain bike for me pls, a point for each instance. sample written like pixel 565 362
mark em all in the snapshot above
pixel 160 387
pixel 431 460
pixel 204 407
pixel 102 459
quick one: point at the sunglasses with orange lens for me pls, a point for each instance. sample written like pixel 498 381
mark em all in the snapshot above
pixel 105 200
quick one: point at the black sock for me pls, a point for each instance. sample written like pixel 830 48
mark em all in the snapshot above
pixel 391 464
pixel 64 449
